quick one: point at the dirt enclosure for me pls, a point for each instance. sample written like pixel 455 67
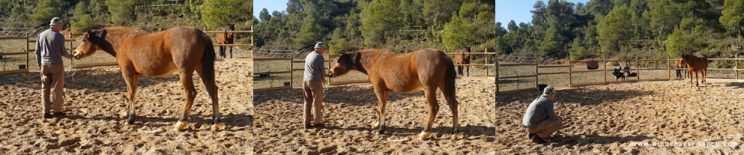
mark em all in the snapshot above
pixel 642 117
pixel 351 109
pixel 96 105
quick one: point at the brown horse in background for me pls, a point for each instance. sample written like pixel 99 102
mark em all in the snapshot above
pixel 225 37
pixel 387 71
pixel 695 65
pixel 462 57
pixel 681 68
pixel 179 50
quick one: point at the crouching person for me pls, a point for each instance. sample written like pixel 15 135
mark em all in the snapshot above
pixel 540 119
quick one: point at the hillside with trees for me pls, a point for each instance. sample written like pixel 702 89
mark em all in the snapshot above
pixel 627 29
pixel 400 25
pixel 150 15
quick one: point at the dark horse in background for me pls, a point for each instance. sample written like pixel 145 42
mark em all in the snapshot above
pixel 179 50
pixel 681 68
pixel 695 65
pixel 387 71
pixel 462 57
pixel 225 37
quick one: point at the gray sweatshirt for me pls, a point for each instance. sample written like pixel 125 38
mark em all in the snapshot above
pixel 539 110
pixel 313 67
pixel 50 47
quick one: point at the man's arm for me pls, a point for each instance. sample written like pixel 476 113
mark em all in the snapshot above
pixel 62 47
pixel 551 112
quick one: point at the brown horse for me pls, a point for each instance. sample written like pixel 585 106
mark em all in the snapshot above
pixel 695 65
pixel 387 71
pixel 462 57
pixel 225 37
pixel 179 50
pixel 681 68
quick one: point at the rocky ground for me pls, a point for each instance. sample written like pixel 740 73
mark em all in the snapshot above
pixel 95 121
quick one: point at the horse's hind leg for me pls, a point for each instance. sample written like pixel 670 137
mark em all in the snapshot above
pixel 452 103
pixel 132 81
pixel 431 99
pixel 212 90
pixel 190 93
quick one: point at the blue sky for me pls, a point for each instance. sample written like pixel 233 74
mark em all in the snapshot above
pixel 518 10
pixel 271 5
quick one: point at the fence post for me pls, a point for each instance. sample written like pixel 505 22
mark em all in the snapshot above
pixel 537 73
pixel 570 71
pixel 28 65
pixel 496 76
pixel 736 66
pixel 604 60
pixel 291 72
pixel 485 62
pixel 638 69
pixel 669 68
pixel 470 59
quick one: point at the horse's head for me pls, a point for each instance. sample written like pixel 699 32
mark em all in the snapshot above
pixel 90 42
pixel 345 63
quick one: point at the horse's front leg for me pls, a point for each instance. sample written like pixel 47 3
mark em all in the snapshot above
pixel 190 94
pixel 431 99
pixel 132 82
pixel 381 101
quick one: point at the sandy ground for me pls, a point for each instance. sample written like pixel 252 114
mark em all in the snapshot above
pixel 622 118
pixel 351 109
pixel 96 105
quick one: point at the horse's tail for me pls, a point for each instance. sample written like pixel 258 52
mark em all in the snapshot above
pixel 208 59
pixel 449 76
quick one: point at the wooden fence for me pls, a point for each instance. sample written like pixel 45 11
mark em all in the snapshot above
pixel 640 68
pixel 77 64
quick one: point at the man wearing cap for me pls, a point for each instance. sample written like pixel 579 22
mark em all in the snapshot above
pixel 50 48
pixel 312 84
pixel 540 119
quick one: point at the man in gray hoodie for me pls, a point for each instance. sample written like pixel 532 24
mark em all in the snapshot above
pixel 540 119
pixel 312 84
pixel 50 48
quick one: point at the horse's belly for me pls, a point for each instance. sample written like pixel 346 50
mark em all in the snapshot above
pixel 403 86
pixel 158 70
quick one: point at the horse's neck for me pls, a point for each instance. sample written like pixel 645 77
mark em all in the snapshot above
pixel 116 38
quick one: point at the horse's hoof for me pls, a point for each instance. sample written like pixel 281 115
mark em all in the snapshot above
pixel 217 127
pixel 381 130
pixel 180 126
pixel 130 120
pixel 424 135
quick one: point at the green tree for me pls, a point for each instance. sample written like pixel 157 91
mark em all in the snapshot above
pixel 457 33
pixel 264 15
pixel 121 11
pixel 82 21
pixel 733 15
pixel 338 41
pixel 614 28
pixel 512 26
pixel 223 13
pixel 47 9
pixel 377 18
pixel 578 51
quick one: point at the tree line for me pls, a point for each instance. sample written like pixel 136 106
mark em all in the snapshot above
pixel 82 15
pixel 400 25
pixel 626 29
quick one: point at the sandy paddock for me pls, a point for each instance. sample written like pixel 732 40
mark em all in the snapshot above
pixel 632 118
pixel 96 105
pixel 351 109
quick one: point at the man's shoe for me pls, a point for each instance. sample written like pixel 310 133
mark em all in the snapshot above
pixel 536 139
pixel 58 114
pixel 47 116
pixel 319 125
